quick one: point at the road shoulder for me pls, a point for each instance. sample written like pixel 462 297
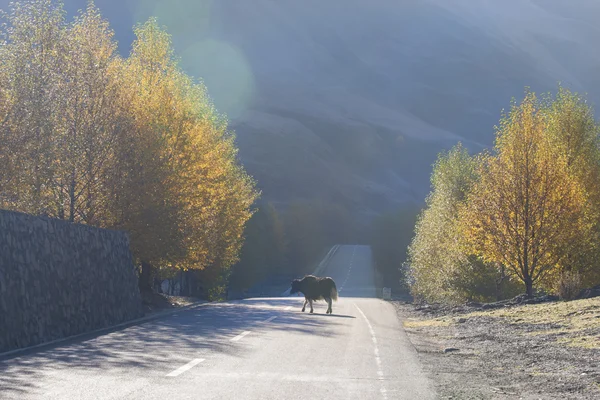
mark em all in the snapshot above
pixel 149 316
pixel 495 355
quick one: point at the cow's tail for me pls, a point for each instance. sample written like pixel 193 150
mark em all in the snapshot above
pixel 334 292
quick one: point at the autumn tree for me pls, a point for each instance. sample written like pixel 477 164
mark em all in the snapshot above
pixel 90 119
pixel 32 58
pixel 440 269
pixel 147 195
pixel 434 257
pixel 132 144
pixel 526 212
pixel 574 132
pixel 60 117
pixel 194 198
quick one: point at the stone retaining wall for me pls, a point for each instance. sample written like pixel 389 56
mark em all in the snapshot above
pixel 59 279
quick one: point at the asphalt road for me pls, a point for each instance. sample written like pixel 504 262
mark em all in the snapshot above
pixel 262 348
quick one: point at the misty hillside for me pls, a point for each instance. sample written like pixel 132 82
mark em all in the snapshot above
pixel 350 100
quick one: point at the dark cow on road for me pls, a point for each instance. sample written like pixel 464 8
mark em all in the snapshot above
pixel 315 288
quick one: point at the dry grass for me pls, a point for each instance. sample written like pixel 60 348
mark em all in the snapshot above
pixel 542 351
pixel 573 323
pixel 427 323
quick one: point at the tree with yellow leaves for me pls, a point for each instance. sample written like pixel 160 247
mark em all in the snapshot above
pixel 132 144
pixel 32 57
pixel 60 110
pixel 526 212
pixel 89 121
pixel 196 197
pixel 440 268
pixel 573 131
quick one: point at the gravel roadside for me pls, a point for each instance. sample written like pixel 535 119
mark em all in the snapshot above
pixel 541 351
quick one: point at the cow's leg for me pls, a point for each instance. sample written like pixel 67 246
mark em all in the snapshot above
pixel 311 307
pixel 328 305
pixel 304 306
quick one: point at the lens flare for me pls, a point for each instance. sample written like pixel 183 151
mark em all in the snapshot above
pixel 225 73
pixel 221 65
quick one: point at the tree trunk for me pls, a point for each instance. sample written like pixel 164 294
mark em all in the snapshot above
pixel 72 198
pixel 499 294
pixel 500 284
pixel 181 283
pixel 146 277
pixel 529 286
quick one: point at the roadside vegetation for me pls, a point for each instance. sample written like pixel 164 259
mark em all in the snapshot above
pixel 524 217
pixel 573 323
pixel 549 350
pixel 135 144
pixel 129 143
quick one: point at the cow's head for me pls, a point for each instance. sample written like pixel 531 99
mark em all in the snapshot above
pixel 295 286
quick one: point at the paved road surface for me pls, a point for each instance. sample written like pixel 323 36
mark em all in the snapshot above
pixel 262 348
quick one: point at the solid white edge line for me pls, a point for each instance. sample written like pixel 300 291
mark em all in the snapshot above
pixel 186 367
pixel 241 335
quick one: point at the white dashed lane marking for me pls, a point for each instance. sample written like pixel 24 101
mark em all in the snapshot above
pixel 241 335
pixel 269 319
pixel 186 367
pixel 376 352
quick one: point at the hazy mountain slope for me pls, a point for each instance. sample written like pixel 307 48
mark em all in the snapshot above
pixel 350 100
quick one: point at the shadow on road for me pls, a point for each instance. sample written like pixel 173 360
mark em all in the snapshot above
pixel 157 345
pixel 331 315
